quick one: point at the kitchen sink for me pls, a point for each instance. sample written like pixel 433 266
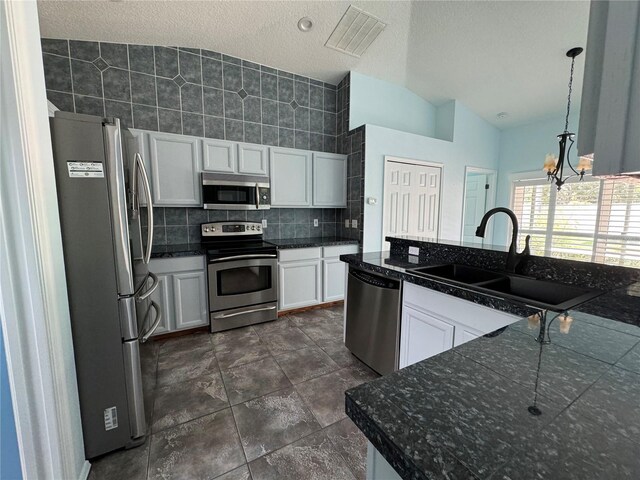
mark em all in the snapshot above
pixel 458 273
pixel 531 291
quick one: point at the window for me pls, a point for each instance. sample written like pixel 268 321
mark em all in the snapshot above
pixel 593 220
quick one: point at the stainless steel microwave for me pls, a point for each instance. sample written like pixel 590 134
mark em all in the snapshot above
pixel 222 191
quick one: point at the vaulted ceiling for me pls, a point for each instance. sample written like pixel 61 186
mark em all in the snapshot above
pixel 493 56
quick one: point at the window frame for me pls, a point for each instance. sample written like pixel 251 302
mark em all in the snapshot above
pixel 535 179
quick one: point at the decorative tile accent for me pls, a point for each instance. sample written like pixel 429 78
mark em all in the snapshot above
pixel 100 64
pixel 242 93
pixel 179 80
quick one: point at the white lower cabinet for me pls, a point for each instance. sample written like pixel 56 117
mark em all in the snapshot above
pixel 300 284
pixel 181 293
pixel 310 276
pixel 433 322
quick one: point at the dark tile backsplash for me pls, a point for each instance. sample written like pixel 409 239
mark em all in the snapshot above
pixel 174 226
pixel 191 91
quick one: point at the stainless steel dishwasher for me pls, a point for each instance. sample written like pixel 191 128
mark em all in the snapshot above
pixel 373 320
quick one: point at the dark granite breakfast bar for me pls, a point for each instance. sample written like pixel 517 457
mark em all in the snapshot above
pixel 505 406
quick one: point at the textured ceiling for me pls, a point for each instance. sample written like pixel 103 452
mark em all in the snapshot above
pixel 493 56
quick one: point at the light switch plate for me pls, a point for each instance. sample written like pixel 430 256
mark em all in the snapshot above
pixel 315 222
pixel 414 251
pixel 346 223
pixel 354 223
pixel 264 223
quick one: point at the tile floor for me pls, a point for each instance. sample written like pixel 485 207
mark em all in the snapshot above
pixel 264 402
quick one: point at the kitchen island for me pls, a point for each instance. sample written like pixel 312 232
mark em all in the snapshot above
pixel 505 405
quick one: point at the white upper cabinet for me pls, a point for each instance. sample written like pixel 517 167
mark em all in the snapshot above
pixel 610 107
pixel 232 157
pixel 290 178
pixel 219 156
pixel 175 165
pixel 253 159
pixel 329 180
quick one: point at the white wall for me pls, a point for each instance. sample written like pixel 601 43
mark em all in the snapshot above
pixel 476 143
pixel 376 102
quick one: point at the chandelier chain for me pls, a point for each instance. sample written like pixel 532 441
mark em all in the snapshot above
pixel 566 121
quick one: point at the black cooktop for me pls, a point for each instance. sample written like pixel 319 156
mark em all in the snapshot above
pixel 237 247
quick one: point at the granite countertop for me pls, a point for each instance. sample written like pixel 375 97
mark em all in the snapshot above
pixel 188 249
pixel 465 413
pixel 283 243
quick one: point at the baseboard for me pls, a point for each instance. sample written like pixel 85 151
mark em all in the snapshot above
pixel 84 473
pixel 311 307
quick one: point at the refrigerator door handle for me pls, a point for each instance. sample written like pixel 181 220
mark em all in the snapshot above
pixel 145 336
pixel 147 189
pixel 151 289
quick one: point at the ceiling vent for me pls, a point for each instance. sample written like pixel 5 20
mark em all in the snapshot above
pixel 355 32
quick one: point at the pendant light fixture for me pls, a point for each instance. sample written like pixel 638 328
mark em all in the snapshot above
pixel 554 166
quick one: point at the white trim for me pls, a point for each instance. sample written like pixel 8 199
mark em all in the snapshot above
pixel 492 178
pixel 33 297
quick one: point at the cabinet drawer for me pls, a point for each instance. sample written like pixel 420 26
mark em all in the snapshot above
pixel 337 250
pixel 177 264
pixel 294 254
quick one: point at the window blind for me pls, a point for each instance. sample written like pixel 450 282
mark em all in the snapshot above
pixel 593 220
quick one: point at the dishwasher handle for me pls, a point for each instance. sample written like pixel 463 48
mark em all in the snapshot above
pixel 375 280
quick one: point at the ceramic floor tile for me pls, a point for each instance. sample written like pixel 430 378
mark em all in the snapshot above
pixel 201 449
pixel 184 343
pixel 351 444
pixel 311 458
pixel 276 325
pixel 273 421
pixel 234 354
pixel 186 365
pixel 180 402
pixel 304 364
pixel 236 337
pixel 338 352
pixel 323 329
pixel 130 464
pixel 286 340
pixel 240 473
pixel 325 395
pixel 254 380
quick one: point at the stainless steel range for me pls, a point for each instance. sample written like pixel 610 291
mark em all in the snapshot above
pixel 242 275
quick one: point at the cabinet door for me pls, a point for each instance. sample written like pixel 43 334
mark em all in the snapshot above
pixel 329 180
pixel 175 165
pixel 290 178
pixel 464 335
pixel 253 159
pixel 333 271
pixel 162 296
pixel 299 284
pixel 219 156
pixel 190 300
pixel 422 336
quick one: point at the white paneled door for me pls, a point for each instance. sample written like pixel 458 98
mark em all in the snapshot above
pixel 411 199
pixel 475 204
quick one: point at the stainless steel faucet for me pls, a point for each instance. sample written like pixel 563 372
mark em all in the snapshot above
pixel 514 258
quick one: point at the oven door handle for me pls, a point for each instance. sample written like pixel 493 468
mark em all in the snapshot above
pixel 227 315
pixel 257 196
pixel 242 257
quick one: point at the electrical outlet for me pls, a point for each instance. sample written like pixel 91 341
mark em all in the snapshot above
pixel 315 222
pixel 414 251
pixel 346 223
pixel 354 223
pixel 264 223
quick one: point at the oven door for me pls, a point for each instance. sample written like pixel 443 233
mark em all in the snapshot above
pixel 242 280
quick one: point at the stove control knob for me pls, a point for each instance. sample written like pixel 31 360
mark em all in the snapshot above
pixel 206 229
pixel 253 227
pixel 258 228
pixel 213 229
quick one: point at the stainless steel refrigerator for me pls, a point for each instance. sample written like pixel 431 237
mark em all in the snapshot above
pixel 103 192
